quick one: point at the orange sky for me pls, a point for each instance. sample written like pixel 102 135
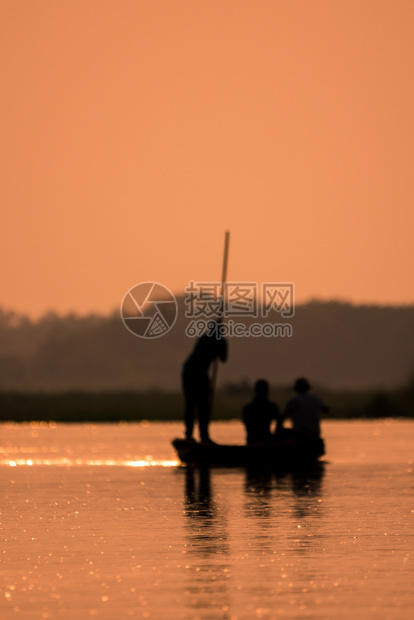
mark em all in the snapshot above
pixel 134 133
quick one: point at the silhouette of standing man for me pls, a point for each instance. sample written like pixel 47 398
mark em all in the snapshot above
pixel 196 381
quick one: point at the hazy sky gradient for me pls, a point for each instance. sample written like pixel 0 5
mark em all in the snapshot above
pixel 135 133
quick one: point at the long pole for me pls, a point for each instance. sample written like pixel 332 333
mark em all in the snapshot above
pixel 223 282
pixel 225 261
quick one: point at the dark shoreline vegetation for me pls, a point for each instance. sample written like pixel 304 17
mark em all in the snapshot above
pixel 116 406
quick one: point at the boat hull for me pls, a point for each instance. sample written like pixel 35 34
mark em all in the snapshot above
pixel 292 454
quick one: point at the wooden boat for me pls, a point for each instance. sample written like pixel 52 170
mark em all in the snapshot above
pixel 283 455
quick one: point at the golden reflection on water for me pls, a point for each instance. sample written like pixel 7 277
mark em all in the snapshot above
pixel 125 538
pixel 90 462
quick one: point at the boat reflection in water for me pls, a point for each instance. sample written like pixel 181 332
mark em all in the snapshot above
pixel 302 486
pixel 207 548
pixel 235 523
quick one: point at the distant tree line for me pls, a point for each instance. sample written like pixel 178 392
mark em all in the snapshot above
pixel 337 345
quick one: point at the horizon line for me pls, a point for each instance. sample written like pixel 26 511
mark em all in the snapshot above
pixel 71 312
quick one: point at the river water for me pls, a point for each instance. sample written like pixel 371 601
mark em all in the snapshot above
pixel 99 521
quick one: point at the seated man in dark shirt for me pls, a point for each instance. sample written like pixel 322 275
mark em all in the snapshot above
pixel 259 415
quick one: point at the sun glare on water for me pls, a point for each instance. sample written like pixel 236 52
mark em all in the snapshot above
pixel 91 462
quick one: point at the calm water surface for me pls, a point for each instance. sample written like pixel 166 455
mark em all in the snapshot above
pixel 98 521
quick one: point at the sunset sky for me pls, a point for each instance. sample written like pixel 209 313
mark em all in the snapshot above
pixel 134 133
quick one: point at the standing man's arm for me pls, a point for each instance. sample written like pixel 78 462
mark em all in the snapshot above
pixel 222 349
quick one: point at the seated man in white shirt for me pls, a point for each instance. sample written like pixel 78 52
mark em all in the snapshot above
pixel 304 410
